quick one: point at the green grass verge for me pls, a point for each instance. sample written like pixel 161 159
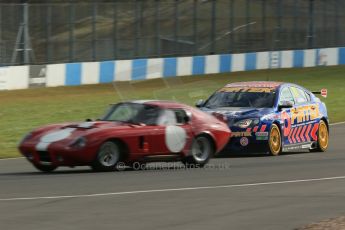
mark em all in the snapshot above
pixel 23 110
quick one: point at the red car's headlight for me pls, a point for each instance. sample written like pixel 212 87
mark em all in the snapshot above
pixel 79 142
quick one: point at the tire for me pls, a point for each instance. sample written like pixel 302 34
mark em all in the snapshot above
pixel 202 150
pixel 275 141
pixel 322 138
pixel 45 168
pixel 107 158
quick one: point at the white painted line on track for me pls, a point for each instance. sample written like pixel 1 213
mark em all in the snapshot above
pixel 338 123
pixel 172 189
pixel 14 158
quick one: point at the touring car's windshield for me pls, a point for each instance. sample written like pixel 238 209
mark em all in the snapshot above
pixel 241 99
pixel 133 113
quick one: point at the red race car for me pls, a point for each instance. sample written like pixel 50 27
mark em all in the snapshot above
pixel 130 132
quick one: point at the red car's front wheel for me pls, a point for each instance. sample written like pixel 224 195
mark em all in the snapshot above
pixel 107 158
pixel 45 168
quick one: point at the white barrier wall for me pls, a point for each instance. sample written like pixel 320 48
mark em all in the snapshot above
pixel 18 77
pixel 14 77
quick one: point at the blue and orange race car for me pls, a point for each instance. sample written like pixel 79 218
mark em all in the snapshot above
pixel 271 117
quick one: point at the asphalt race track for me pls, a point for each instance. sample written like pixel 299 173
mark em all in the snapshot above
pixel 247 192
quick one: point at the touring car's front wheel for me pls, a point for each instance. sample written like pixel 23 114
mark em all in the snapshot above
pixel 201 151
pixel 322 138
pixel 275 141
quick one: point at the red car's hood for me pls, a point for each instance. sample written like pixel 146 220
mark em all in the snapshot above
pixel 82 129
pixel 99 124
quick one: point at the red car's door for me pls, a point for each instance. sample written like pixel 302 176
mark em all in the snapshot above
pixel 172 133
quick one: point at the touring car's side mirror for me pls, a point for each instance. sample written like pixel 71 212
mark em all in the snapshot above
pixel 88 120
pixel 285 105
pixel 200 103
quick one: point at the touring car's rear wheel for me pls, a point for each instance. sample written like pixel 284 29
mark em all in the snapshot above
pixel 322 138
pixel 45 168
pixel 201 151
pixel 275 141
pixel 107 158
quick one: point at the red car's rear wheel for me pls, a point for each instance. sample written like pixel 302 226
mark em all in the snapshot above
pixel 202 150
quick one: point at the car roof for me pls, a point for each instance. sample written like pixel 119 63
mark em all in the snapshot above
pixel 160 103
pixel 255 84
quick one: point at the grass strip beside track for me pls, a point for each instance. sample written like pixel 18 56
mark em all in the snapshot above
pixel 23 110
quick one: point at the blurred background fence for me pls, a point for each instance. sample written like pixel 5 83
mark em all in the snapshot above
pixel 74 31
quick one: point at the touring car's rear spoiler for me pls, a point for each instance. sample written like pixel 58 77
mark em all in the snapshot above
pixel 323 92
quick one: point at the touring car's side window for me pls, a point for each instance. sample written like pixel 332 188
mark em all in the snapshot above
pixel 307 95
pixel 299 95
pixel 286 95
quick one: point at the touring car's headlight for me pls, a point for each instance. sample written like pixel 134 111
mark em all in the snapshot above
pixel 246 123
pixel 80 142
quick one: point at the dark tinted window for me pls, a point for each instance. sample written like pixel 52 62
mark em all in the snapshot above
pixel 180 116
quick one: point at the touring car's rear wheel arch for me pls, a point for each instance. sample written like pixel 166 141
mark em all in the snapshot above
pixel 325 120
pixel 322 136
pixel 275 142
pixel 201 151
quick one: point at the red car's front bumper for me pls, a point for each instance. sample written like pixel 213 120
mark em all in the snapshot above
pixel 58 155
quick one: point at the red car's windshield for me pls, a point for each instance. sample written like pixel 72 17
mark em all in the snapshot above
pixel 133 113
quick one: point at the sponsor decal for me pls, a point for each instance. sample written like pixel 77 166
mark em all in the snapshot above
pixel 300 123
pixel 302 133
pixel 241 134
pixel 297 147
pixel 261 134
pixel 247 89
pixel 261 138
pixel 256 84
pixel 244 141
